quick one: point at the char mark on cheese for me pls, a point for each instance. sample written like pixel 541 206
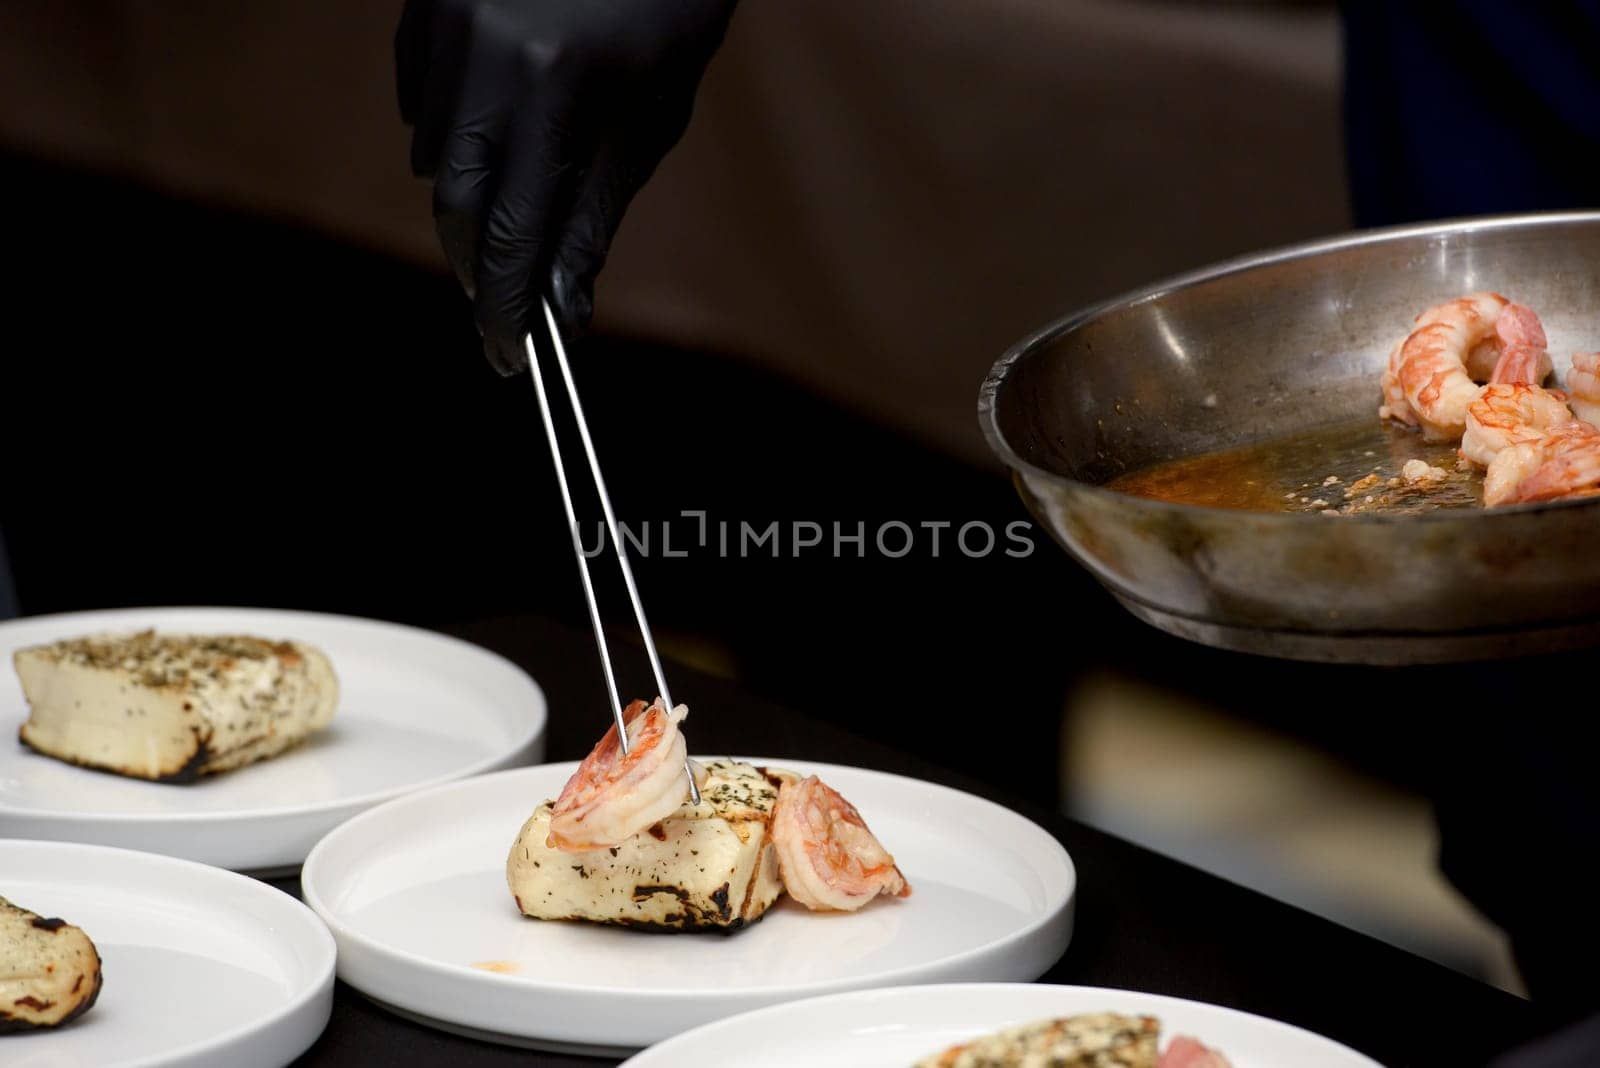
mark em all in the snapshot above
pixel 44 964
pixel 191 770
pixel 680 925
pixel 642 892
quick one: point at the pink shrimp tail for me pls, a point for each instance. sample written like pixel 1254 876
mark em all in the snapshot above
pixel 1519 327
pixel 1185 1052
pixel 1522 367
pixel 1560 478
pixel 1523 355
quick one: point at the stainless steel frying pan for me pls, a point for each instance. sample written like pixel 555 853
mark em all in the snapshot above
pixel 1261 347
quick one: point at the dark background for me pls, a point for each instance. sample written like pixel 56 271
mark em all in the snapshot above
pixel 208 408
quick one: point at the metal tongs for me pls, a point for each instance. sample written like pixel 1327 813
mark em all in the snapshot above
pixel 611 526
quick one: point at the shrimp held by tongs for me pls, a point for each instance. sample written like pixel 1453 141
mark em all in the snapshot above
pixel 827 856
pixel 614 795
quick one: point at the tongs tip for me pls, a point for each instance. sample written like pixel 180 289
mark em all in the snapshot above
pixel 537 375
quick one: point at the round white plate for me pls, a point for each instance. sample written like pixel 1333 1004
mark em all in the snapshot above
pixel 897 1027
pixel 201 966
pixel 415 893
pixel 415 709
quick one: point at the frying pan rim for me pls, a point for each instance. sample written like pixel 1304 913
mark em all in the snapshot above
pixel 1000 371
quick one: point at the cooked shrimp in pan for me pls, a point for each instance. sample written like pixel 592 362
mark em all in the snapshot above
pixel 1395 406
pixel 1434 370
pixel 1524 356
pixel 1432 366
pixel 1569 465
pixel 1565 462
pixel 1507 470
pixel 1510 414
pixel 826 855
pixel 1583 387
pixel 615 795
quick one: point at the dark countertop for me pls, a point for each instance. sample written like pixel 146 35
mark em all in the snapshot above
pixel 1144 921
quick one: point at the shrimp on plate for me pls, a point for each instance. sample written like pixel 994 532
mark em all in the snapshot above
pixel 1564 462
pixel 1510 414
pixel 827 856
pixel 1583 387
pixel 1186 1052
pixel 1434 373
pixel 614 795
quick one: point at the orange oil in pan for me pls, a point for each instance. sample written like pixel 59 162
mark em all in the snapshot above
pixel 1343 469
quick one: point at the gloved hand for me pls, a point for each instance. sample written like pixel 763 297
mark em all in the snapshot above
pixel 538 121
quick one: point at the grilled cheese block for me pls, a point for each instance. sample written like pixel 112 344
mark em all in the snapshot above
pixel 1093 1040
pixel 172 707
pixel 49 970
pixel 710 866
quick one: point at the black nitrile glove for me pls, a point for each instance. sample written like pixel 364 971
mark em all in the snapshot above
pixel 538 121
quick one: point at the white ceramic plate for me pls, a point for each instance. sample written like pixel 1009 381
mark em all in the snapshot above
pixel 897 1027
pixel 415 893
pixel 415 709
pixel 201 966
